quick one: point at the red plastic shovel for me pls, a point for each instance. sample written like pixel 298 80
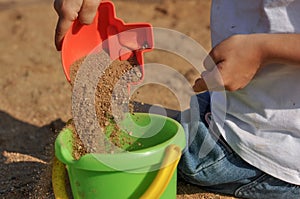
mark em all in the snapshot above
pixel 121 40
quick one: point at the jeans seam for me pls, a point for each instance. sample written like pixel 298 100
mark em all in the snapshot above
pixel 249 185
pixel 208 166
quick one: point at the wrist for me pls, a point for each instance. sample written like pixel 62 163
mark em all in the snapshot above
pixel 263 48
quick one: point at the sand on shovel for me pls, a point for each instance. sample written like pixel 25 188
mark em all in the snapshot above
pixel 111 89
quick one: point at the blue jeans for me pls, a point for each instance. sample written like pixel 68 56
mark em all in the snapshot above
pixel 211 164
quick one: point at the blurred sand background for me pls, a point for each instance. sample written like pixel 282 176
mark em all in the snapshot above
pixel 35 98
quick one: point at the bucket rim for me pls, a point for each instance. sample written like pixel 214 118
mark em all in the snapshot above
pixel 141 160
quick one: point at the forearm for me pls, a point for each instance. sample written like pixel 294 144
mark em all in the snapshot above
pixel 280 48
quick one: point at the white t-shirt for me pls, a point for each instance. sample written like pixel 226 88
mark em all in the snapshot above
pixel 261 122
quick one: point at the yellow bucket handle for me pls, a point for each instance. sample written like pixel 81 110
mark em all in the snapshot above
pixel 165 174
pixel 59 175
pixel 156 189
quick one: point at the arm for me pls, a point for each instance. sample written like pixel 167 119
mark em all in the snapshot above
pixel 234 62
pixel 68 11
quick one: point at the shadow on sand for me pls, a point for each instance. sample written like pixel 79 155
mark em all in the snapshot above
pixel 26 152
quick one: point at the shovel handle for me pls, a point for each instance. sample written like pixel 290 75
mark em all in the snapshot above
pixel 164 175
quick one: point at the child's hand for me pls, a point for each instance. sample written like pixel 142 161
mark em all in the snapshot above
pixel 68 11
pixel 231 64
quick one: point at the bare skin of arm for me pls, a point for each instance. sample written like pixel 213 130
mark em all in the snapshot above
pixel 234 62
pixel 70 10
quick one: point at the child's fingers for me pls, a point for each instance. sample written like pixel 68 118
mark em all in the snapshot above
pixel 67 12
pixel 213 58
pixel 209 63
pixel 210 80
pixel 62 27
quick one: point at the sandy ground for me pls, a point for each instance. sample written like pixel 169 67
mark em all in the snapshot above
pixel 35 99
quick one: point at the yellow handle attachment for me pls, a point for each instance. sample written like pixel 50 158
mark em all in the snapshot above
pixel 163 177
pixel 59 179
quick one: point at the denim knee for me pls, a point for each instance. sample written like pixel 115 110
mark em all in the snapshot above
pixel 208 161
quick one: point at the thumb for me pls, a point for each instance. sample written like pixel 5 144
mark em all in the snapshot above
pixel 210 80
pixel 200 85
pixel 88 11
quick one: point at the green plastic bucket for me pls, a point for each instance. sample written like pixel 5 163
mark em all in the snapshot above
pixel 127 174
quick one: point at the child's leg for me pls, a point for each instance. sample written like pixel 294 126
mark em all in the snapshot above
pixel 210 163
